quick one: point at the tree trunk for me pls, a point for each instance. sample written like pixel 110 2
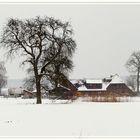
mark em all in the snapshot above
pixel 138 79
pixel 56 87
pixel 38 94
pixel 0 90
pixel 38 86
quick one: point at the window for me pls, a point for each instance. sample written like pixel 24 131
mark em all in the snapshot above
pixel 94 86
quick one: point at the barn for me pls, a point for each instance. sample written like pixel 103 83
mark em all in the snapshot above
pixel 112 85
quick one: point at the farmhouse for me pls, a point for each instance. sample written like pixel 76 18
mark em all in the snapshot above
pixel 113 85
pixel 4 92
pixel 28 94
pixel 15 92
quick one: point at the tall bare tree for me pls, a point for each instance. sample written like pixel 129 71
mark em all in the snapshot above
pixel 131 82
pixel 133 65
pixel 3 77
pixel 56 74
pixel 39 41
pixel 60 69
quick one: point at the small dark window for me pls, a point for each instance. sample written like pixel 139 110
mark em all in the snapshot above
pixel 94 86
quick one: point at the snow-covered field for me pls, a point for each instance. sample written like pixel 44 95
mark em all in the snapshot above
pixel 22 117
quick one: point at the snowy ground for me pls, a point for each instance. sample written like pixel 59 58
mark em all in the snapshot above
pixel 22 117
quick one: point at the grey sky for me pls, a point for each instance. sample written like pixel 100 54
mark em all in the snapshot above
pixel 106 35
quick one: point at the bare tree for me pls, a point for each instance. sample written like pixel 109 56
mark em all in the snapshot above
pixel 3 77
pixel 60 70
pixel 133 65
pixel 131 82
pixel 29 82
pixel 56 73
pixel 39 41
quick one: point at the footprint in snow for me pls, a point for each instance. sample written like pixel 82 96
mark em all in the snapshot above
pixel 8 121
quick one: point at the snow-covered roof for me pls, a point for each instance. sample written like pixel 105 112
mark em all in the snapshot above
pixel 75 81
pixel 92 81
pixel 85 89
pixel 105 85
pixel 81 88
pixel 4 89
pixel 116 80
pixel 34 91
pixel 63 87
pixel 16 90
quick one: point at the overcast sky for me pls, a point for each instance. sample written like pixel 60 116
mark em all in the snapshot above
pixel 106 35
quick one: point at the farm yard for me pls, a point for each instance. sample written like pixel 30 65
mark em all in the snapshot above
pixel 22 117
pixel 65 73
